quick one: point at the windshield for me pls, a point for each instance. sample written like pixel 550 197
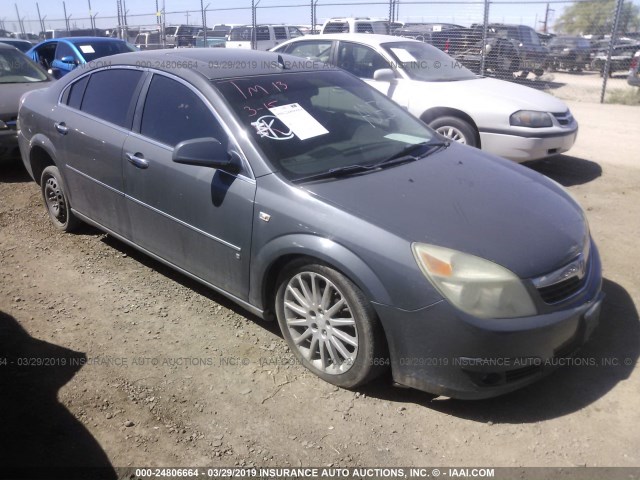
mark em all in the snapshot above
pixel 16 68
pixel 425 62
pixel 309 123
pixel 92 50
pixel 170 30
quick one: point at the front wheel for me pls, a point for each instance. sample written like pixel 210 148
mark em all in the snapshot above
pixel 329 325
pixel 455 129
pixel 56 200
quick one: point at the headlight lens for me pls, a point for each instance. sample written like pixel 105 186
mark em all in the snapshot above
pixel 476 286
pixel 528 118
pixel 3 125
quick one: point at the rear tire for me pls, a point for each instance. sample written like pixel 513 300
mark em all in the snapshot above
pixel 455 129
pixel 56 200
pixel 330 325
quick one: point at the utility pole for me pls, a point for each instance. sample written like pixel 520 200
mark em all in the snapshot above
pixel 187 15
pixel 20 24
pixel 66 19
pixel 545 23
pixel 91 20
pixel 42 29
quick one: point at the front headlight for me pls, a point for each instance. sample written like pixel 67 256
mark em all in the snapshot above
pixel 529 118
pixel 476 286
pixel 3 126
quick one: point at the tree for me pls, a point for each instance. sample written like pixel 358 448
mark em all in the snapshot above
pixel 597 17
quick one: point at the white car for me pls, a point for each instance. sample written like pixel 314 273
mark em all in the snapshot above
pixel 506 119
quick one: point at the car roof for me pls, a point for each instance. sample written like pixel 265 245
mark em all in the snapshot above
pixel 6 46
pixel 367 38
pixel 75 40
pixel 215 63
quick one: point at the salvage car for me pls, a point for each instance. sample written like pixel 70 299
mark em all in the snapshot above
pixel 504 118
pixel 18 75
pixel 302 193
pixel 569 53
pixel 61 55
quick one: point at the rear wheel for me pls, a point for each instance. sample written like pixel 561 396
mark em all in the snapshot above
pixel 56 200
pixel 455 129
pixel 329 325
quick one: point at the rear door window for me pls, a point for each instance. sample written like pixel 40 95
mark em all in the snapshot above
pixel 110 95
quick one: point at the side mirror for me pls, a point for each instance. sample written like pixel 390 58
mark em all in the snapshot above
pixel 206 152
pixel 384 75
pixel 68 59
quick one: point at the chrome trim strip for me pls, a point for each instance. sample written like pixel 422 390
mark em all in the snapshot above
pixel 251 308
pixel 160 212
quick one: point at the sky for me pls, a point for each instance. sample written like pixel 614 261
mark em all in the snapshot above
pixel 297 12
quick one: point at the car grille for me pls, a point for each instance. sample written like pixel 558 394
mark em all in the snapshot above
pixel 566 281
pixel 558 292
pixel 564 119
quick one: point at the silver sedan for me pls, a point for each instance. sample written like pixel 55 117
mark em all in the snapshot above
pixel 506 119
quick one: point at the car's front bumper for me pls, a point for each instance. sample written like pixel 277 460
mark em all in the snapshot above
pixel 441 350
pixel 524 148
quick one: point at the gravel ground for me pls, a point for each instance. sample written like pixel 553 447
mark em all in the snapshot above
pixel 162 372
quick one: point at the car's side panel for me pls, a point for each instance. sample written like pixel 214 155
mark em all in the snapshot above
pixel 195 217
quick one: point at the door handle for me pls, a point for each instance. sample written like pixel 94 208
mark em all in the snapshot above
pixel 61 127
pixel 137 160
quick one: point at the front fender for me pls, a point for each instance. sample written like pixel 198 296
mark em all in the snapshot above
pixel 325 250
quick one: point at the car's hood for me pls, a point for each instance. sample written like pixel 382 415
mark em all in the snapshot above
pixel 10 94
pixel 484 95
pixel 470 201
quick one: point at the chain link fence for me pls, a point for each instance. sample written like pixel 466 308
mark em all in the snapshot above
pixel 577 49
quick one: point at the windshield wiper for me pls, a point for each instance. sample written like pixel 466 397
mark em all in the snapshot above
pixel 403 156
pixel 432 147
pixel 351 169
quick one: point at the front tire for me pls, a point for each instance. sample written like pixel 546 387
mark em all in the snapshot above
pixel 456 130
pixel 329 324
pixel 56 200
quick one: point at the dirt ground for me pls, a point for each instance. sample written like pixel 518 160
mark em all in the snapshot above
pixel 162 372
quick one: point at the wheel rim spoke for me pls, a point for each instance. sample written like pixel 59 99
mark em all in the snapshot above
pixel 296 308
pixel 345 337
pixel 340 348
pixel 298 297
pixel 307 333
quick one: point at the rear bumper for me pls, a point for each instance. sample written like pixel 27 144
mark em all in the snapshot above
pixel 443 351
pixel 522 149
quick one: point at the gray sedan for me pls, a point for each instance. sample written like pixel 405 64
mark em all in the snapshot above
pixel 306 195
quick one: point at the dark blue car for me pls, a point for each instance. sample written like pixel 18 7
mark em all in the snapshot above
pixel 61 55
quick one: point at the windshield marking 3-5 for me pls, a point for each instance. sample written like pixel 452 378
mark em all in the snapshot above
pixel 309 123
